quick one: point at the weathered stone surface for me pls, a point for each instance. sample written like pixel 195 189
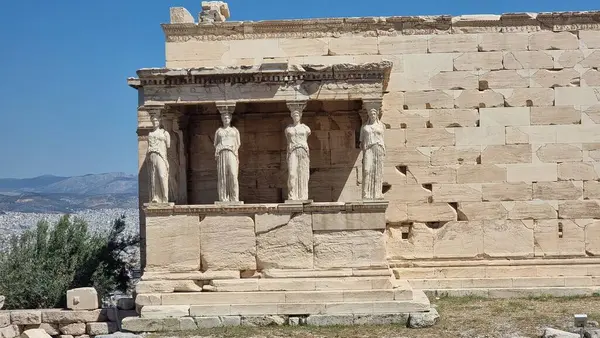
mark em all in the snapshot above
pixel 95 329
pixel 507 191
pixel 181 15
pixel 553 333
pixel 35 333
pixel 479 136
pixel 26 317
pixel 592 232
pixel 530 210
pixel 591 190
pixel 418 245
pixel 450 118
pixel 578 171
pixel 430 174
pixel 328 320
pixel 528 97
pixel 4 319
pixel 133 324
pixel 507 238
pixel 289 246
pixel 455 80
pixel 342 249
pixel 10 331
pixel 504 79
pixel 531 172
pixel 513 116
pixel 420 320
pixel 429 137
pixel 51 329
pixel 82 299
pixel 559 238
pixel 557 152
pixel 549 40
pixel 66 317
pixel 591 78
pixel 555 78
pixel 262 320
pixel 166 286
pixel 165 311
pixel 228 243
pixel 475 211
pixel 478 61
pixel 503 42
pixel 173 243
pixel 478 99
pixel 591 39
pixel 431 212
pixel 457 192
pixel 579 209
pixel 565 190
pixel 495 154
pixel 459 239
pixel 528 60
pixel 481 173
pixel 452 43
pixel 73 329
pixel 428 100
pixel 455 155
pixel 402 44
pixel 531 134
pixel 576 96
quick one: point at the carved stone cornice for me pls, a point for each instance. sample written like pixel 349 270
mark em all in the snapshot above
pixel 382 26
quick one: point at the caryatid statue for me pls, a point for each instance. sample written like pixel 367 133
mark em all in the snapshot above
pixel 159 141
pixel 227 143
pixel 298 157
pixel 373 149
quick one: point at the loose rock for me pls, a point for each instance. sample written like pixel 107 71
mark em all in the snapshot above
pixel 419 320
pixel 35 333
pixel 553 333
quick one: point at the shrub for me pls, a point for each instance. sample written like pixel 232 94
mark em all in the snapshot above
pixel 40 265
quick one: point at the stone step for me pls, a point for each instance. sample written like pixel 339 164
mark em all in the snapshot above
pixel 333 273
pixel 418 303
pixel 516 282
pixel 210 298
pixel 499 271
pixel 515 292
pixel 302 284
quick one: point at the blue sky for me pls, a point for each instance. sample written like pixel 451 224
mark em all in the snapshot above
pixel 65 106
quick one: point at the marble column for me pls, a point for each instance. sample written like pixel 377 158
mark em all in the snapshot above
pixel 227 143
pixel 373 149
pixel 298 155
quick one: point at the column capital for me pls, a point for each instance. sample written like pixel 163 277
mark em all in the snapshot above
pixel 226 107
pixel 296 105
pixel 154 109
pixel 369 104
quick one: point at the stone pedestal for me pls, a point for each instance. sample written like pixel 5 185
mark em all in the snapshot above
pixel 290 259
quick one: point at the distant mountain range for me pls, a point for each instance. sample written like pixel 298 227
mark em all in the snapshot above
pixel 50 193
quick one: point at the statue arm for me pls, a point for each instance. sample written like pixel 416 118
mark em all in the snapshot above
pixel 237 139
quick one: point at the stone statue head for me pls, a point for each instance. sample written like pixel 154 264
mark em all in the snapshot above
pixel 296 116
pixel 373 115
pixel 155 121
pixel 226 119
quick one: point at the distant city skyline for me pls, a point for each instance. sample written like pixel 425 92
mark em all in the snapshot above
pixel 66 107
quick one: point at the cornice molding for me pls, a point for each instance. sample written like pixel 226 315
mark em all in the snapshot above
pixel 383 26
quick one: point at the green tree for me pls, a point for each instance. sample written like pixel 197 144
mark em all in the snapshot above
pixel 40 265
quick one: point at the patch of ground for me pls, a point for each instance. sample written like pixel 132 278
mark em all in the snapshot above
pixel 470 317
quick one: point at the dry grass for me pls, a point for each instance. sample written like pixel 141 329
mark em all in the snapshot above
pixel 460 317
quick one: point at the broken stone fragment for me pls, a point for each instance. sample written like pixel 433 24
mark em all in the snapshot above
pixel 82 299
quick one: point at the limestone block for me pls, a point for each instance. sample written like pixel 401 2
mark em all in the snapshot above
pixel 456 155
pixel 457 192
pixel 255 48
pixel 4 319
pixel 480 136
pixel 173 243
pixel 555 78
pixel 478 99
pixel 26 317
pixel 555 115
pixel 73 316
pixel 82 299
pixel 591 39
pixel 431 212
pixel 591 190
pixel 479 61
pixel 167 286
pixel 507 191
pixel 590 78
pixel 507 116
pixel 303 47
pixel 35 333
pixel 549 40
pixel 528 60
pixel 559 152
pixel 477 211
pixel 147 299
pixel 449 118
pixel 459 240
pixel 428 100
pixel 578 134
pixel 558 238
pixel 505 79
pixel 353 45
pixel 427 64
pixel 579 209
pixel 567 58
pixel 406 156
pixel 396 212
pixel 452 43
pixel 407 193
pixel 418 245
pixel 181 15
pixel 427 137
pixel 576 96
pixel 528 97
pixel 11 331
pixel 507 238
pixel 530 210
pixel 165 311
pixel 592 60
pixel 228 243
pixel 563 190
pixel 577 171
pixel 531 172
pixel 397 118
pixel 343 249
pixel 196 51
pixel 73 329
pixel 134 324
pixel 94 329
pixel 502 41
pixel 287 246
pixel 393 138
pixel 481 173
pixel 455 80
pixel 430 174
pixel 592 234
pixel 531 134
pixel 520 153
pixel 403 44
